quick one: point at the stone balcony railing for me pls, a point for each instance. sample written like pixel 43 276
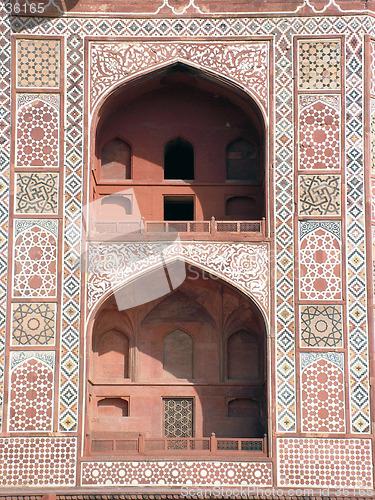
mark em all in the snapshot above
pixel 211 446
pixel 186 230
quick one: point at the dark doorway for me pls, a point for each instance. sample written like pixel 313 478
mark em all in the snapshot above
pixel 178 208
pixel 179 160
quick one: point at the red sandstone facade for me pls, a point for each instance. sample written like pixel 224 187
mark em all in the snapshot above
pixel 188 228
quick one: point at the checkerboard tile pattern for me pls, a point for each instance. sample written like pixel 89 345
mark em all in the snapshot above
pixel 38 63
pixel 323 463
pixel 319 63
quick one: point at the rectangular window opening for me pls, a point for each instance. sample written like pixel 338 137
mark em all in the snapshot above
pixel 178 208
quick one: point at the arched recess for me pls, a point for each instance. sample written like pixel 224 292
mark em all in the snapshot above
pixel 180 101
pixel 178 354
pixel 242 161
pixel 179 159
pixel 111 350
pixel 204 312
pixel 244 356
pixel 129 83
pixel 115 161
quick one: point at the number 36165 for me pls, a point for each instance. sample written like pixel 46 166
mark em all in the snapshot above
pixel 25 8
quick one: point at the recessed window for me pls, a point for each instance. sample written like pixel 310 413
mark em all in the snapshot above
pixel 243 356
pixel 178 417
pixel 112 349
pixel 116 205
pixel 178 208
pixel 243 407
pixel 243 207
pixel 115 161
pixel 113 408
pixel 241 161
pixel 179 159
pixel 178 355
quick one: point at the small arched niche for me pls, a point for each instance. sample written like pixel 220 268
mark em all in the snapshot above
pixel 242 161
pixel 115 161
pixel 179 159
pixel 243 208
pixel 243 356
pixel 112 355
pixel 243 407
pixel 178 355
pixel 113 408
pixel 115 207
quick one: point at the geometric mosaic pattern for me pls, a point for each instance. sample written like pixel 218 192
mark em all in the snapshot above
pixel 319 195
pixel 324 463
pixel 321 326
pixel 38 63
pixel 319 64
pixel 176 473
pixel 37 193
pixel 178 417
pixel 320 261
pixel 31 391
pixel 319 132
pixel 355 240
pixel 35 258
pixel 73 186
pixel 322 392
pixel 33 324
pixel 283 175
pixel 5 134
pixel 284 234
pixel 38 461
pixel 38 130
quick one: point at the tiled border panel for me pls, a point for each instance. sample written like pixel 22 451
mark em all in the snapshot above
pixel 177 474
pixel 353 223
pixel 5 132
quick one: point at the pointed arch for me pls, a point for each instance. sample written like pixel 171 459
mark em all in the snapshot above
pixel 178 354
pixel 179 159
pixel 256 291
pixel 111 349
pixel 129 82
pixel 115 160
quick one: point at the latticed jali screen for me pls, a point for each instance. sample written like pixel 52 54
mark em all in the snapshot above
pixel 178 418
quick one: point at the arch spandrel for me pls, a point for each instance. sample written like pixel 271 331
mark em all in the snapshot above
pixel 243 265
pixel 242 63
